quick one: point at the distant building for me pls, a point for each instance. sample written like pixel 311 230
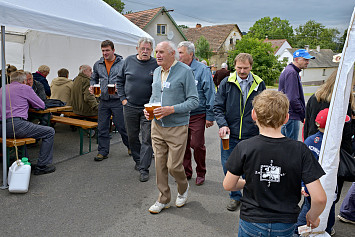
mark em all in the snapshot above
pixel 157 23
pixel 222 38
pixel 279 45
pixel 319 69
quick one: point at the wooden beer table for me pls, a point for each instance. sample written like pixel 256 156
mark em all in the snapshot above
pixel 46 113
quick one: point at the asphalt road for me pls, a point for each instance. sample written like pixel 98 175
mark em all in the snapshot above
pixel 87 198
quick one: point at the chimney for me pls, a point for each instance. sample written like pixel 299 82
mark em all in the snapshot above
pixel 318 48
pixel 306 47
pixel 198 25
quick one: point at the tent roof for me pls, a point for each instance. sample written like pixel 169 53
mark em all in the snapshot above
pixel 89 19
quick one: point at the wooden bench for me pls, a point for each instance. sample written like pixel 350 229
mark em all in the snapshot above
pixel 19 142
pixel 81 124
pixel 72 114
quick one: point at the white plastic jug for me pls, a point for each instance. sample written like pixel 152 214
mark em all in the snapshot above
pixel 19 176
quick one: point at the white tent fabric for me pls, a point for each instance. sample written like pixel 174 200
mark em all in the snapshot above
pixel 329 154
pixel 88 19
pixel 65 34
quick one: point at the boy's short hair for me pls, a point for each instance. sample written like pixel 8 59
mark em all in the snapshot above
pixel 271 108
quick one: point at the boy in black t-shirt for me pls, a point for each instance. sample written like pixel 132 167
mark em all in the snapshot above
pixel 273 166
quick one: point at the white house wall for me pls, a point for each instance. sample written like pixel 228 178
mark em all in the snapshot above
pixel 163 19
pixel 233 34
pixel 284 46
pixel 318 75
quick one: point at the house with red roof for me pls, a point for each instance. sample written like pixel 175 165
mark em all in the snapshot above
pixel 158 23
pixel 221 38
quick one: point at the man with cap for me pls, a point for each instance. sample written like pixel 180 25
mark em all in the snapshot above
pixel 290 84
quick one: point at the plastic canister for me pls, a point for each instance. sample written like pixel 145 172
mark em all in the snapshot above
pixel 19 176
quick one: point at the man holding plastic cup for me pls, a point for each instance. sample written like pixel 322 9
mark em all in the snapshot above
pixel 105 75
pixel 232 109
pixel 174 86
pixel 134 88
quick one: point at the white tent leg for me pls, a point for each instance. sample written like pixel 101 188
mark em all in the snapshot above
pixel 3 76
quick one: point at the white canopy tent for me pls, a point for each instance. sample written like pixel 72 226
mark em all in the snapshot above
pixel 61 34
pixel 329 154
pixel 64 33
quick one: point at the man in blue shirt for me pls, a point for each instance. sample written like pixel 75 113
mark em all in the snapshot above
pixel 202 116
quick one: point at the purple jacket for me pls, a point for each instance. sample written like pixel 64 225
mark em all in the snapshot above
pixel 290 84
pixel 22 96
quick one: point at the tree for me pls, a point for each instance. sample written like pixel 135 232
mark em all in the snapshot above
pixel 183 26
pixel 273 29
pixel 314 34
pixel 118 5
pixel 203 50
pixel 265 63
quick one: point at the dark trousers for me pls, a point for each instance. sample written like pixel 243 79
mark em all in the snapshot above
pixel 136 123
pixel 196 141
pixel 25 129
pixel 106 109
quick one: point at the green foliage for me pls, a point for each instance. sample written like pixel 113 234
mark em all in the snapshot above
pixel 203 50
pixel 183 26
pixel 314 34
pixel 118 5
pixel 265 64
pixel 274 28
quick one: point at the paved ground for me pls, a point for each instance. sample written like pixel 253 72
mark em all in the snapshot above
pixel 87 198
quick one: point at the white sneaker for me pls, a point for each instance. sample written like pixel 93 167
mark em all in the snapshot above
pixel 158 207
pixel 181 199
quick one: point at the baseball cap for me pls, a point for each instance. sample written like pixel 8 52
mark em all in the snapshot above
pixel 302 53
pixel 322 118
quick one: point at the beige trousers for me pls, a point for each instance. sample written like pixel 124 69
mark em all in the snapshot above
pixel 169 144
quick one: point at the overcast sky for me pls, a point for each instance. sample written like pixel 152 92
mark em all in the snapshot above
pixel 330 13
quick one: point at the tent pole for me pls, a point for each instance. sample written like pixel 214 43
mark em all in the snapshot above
pixel 3 76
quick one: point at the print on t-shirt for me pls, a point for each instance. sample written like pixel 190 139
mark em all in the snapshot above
pixel 270 173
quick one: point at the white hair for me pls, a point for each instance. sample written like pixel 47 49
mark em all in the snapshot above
pixel 190 47
pixel 172 48
pixel 145 40
pixel 224 65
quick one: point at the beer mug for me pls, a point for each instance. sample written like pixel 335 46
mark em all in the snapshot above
pixel 156 105
pixel 97 90
pixel 225 142
pixel 111 89
pixel 149 109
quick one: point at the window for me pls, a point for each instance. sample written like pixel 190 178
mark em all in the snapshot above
pixel 161 29
pixel 231 41
pixel 323 72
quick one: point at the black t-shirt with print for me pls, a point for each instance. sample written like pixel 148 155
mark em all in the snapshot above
pixel 273 169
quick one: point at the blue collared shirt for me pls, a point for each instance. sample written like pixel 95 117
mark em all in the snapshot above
pixel 245 85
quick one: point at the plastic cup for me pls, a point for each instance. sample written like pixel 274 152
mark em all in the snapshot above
pixel 97 90
pixel 156 105
pixel 111 89
pixel 149 109
pixel 225 142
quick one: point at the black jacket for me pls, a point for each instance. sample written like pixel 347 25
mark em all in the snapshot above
pixel 229 109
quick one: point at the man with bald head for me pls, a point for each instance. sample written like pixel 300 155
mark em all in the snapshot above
pixel 83 102
pixel 174 86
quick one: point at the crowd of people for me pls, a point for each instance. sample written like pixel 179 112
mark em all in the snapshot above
pixel 262 127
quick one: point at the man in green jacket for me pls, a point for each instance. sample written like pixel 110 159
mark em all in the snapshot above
pixel 83 102
pixel 232 109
